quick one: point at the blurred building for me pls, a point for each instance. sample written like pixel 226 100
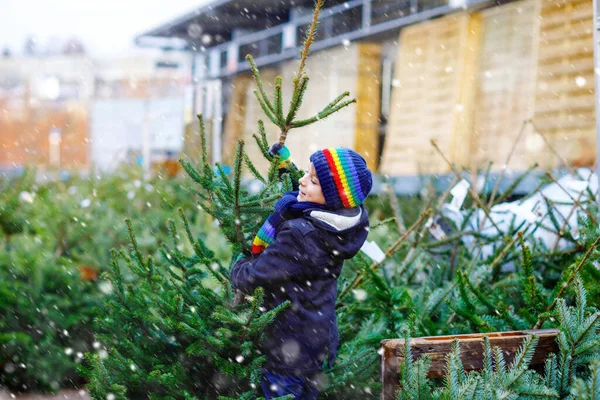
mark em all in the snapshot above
pixel 138 110
pixel 68 112
pixel 44 111
pixel 465 73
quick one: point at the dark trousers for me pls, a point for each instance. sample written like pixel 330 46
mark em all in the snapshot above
pixel 277 384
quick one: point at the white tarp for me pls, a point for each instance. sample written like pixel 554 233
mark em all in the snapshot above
pixel 530 215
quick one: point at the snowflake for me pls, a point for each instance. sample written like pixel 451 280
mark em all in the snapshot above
pixel 359 294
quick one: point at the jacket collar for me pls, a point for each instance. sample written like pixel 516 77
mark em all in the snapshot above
pixel 339 220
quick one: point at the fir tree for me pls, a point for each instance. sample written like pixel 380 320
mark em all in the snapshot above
pixel 588 389
pixel 172 328
pixel 578 340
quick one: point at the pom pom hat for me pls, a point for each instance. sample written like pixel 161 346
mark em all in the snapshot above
pixel 343 175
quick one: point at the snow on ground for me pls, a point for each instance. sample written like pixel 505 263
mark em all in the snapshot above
pixel 62 395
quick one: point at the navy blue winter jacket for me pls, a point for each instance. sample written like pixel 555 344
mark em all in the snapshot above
pixel 302 265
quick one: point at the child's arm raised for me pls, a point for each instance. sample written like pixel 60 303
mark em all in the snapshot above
pixel 283 258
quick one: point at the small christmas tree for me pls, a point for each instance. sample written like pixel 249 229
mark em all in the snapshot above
pixel 172 329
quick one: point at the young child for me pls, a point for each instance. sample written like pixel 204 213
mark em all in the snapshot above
pixel 298 256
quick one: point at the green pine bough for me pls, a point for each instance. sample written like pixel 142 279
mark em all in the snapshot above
pixel 53 251
pixel 571 374
pixel 273 109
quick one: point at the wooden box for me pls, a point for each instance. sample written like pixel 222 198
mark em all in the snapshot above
pixel 564 104
pixel 433 96
pixel 471 346
pixel 506 87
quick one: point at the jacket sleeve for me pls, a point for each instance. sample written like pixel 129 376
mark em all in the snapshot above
pixel 283 258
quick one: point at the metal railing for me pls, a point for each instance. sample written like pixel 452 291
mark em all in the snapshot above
pixel 348 21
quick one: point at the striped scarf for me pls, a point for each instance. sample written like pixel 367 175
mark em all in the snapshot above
pixel 288 203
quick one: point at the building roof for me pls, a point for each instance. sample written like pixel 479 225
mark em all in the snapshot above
pixel 219 18
pixel 273 30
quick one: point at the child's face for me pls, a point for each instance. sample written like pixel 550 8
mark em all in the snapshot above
pixel 310 189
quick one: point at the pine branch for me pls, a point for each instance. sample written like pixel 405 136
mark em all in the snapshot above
pixel 571 211
pixel 395 208
pixel 523 356
pixel 118 278
pixel 239 156
pixel 268 112
pixel 191 171
pixel 134 243
pixel 510 154
pixel 321 115
pixel 310 37
pixel 203 146
pixel 566 284
pixel 359 277
pixel 278 112
pixel 296 101
pixel 499 258
pixel 253 169
pixel 262 95
pixel 575 201
pixel 472 191
pixel 531 294
pixel 511 188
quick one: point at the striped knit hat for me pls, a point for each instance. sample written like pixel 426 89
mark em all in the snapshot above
pixel 343 175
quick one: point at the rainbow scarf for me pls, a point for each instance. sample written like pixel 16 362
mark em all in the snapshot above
pixel 288 203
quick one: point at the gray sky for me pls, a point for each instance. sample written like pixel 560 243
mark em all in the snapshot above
pixel 106 27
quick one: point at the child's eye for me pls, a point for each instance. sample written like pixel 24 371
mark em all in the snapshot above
pixel 313 182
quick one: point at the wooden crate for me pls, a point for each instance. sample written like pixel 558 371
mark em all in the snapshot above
pixel 433 96
pixel 471 345
pixel 368 103
pixel 506 84
pixel 564 102
pixel 236 115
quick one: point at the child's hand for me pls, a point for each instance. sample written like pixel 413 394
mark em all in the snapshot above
pixel 280 150
pixel 274 150
pixel 285 161
pixel 284 155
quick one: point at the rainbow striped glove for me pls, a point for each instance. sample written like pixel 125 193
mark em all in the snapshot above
pixel 283 152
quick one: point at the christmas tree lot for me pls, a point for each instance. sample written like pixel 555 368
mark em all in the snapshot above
pixel 173 329
pixel 55 237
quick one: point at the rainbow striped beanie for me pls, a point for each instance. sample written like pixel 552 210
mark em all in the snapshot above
pixel 343 175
